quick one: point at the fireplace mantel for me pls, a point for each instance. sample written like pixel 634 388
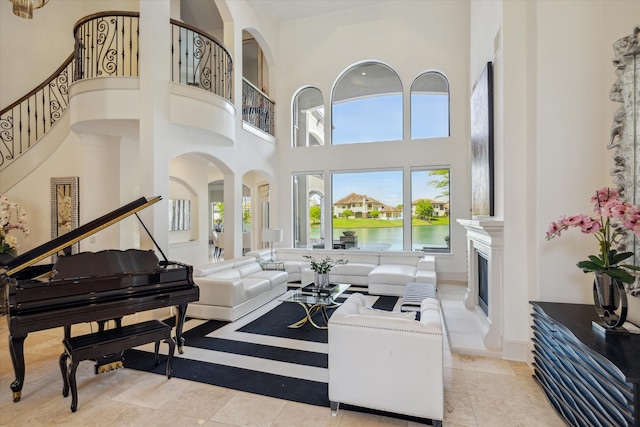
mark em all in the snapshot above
pixel 485 237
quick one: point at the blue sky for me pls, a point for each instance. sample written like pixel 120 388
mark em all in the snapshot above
pixel 380 119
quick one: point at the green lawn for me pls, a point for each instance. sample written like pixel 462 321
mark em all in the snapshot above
pixel 373 223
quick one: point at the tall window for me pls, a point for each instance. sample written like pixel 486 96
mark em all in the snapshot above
pixel 430 106
pixel 367 210
pixel 430 230
pixel 366 105
pixel 308 118
pixel 308 210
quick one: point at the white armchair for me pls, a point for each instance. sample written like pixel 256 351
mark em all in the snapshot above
pixel 386 361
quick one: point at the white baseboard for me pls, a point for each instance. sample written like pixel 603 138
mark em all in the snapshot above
pixel 517 351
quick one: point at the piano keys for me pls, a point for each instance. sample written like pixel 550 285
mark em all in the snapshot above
pixel 89 286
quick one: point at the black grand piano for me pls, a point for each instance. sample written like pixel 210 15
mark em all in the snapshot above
pixel 88 286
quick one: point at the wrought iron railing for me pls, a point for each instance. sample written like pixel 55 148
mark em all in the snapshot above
pixel 257 108
pixel 25 121
pixel 199 60
pixel 106 45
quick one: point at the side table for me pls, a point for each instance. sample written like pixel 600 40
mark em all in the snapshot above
pixel 272 265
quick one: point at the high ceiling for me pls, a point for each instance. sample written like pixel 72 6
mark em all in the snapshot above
pixel 204 15
pixel 289 10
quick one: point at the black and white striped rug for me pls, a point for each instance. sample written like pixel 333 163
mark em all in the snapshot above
pixel 256 354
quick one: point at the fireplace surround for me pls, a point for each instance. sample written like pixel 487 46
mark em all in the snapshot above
pixel 485 257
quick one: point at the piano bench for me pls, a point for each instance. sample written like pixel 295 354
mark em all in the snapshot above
pixel 97 344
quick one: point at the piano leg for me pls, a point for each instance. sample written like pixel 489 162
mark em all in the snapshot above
pixel 16 349
pixel 180 319
pixel 65 373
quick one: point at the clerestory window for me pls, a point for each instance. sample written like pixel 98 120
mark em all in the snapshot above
pixel 430 106
pixel 366 105
pixel 308 118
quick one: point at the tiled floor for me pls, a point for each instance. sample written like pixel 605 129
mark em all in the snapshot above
pixel 479 391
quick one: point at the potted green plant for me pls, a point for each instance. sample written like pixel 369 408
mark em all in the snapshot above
pixel 322 268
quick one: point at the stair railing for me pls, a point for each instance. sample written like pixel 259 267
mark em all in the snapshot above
pixel 107 45
pixel 25 121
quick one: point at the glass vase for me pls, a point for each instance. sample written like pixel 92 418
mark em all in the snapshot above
pixel 610 300
pixel 322 280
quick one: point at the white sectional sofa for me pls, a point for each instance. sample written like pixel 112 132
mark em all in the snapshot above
pixel 386 361
pixel 230 289
pixel 382 272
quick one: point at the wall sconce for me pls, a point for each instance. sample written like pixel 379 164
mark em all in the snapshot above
pixel 271 236
pixel 24 8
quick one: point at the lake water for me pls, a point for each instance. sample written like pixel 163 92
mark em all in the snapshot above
pixel 390 238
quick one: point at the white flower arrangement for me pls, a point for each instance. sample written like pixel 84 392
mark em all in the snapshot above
pixel 8 209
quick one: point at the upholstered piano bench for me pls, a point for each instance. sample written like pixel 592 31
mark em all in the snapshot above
pixel 95 345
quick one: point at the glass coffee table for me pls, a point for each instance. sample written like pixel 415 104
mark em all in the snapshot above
pixel 314 300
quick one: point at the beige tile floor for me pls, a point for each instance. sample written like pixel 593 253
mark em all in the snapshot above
pixel 479 391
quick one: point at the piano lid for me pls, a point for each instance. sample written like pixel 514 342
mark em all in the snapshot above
pixel 61 242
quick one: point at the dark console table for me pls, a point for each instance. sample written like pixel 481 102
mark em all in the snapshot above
pixel 591 378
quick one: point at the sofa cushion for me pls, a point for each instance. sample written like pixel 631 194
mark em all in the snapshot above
pixel 254 286
pixel 295 266
pixel 212 267
pixel 275 277
pixel 364 257
pixel 401 258
pixel 426 276
pixel 228 274
pixel 249 268
pixel 393 274
pixel 427 262
pixel 353 269
pixel 290 254
pixel 224 293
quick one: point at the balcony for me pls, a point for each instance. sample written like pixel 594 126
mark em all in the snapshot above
pixel 107 47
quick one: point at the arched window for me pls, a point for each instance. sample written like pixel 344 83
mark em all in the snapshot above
pixel 430 106
pixel 308 118
pixel 366 105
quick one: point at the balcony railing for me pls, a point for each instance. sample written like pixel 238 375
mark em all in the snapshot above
pixel 257 108
pixel 197 59
pixel 106 45
pixel 25 121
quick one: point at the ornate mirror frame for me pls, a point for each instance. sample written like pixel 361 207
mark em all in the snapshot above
pixel 625 132
pixel 64 208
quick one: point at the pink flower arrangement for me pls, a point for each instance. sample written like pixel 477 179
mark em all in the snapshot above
pixel 611 216
pixel 8 243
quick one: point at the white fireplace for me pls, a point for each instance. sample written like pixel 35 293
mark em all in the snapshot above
pixel 485 254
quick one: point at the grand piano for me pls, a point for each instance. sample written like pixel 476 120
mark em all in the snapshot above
pixel 89 286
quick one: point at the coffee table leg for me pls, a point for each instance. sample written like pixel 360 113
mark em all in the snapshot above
pixel 310 311
pixel 302 321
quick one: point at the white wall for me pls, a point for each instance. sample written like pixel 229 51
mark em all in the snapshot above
pixel 32 49
pixel 574 117
pixel 411 37
pixel 552 76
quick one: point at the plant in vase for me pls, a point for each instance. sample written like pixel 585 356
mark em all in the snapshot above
pixel 611 217
pixel 322 269
pixel 12 217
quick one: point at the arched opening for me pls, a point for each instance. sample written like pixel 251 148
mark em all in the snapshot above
pixel 430 106
pixel 308 118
